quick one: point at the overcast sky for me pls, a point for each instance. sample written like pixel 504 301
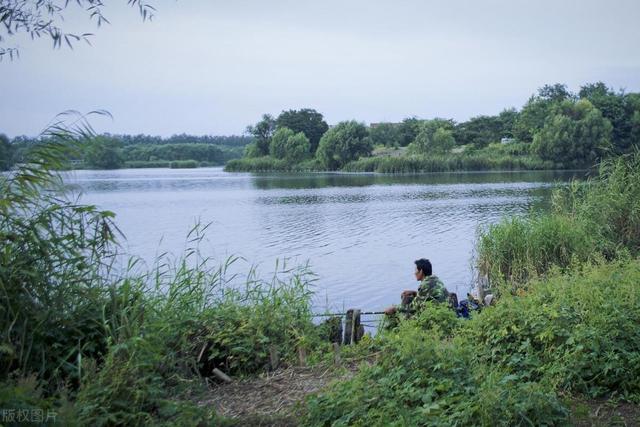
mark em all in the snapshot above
pixel 212 67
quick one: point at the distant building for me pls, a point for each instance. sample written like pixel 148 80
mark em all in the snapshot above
pixel 506 140
pixel 375 125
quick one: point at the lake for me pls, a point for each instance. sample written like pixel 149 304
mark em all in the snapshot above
pixel 359 232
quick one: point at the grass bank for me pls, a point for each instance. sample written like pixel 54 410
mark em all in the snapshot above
pixel 566 324
pixel 590 220
pixel 100 345
pixel 513 364
pixel 448 163
pixel 498 157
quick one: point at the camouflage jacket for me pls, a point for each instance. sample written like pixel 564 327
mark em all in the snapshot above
pixel 431 289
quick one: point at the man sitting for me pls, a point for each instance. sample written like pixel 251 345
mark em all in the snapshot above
pixel 431 288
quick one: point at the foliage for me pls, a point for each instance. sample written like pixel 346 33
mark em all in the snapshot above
pixel 183 164
pixel 342 143
pixel 409 129
pixel 137 164
pixel 103 152
pixel 278 145
pixel 53 252
pixel 297 148
pixel 619 109
pixel 494 157
pixel 289 146
pixel 308 121
pixel 534 114
pixel 168 152
pixel 575 133
pixel 517 249
pixel 45 18
pixel 386 134
pixel 435 136
pixel 262 132
pixel 257 164
pixel 6 153
pixel 484 130
pixel 574 333
pixel 129 346
pixel 596 219
pixel 147 151
pixel 269 164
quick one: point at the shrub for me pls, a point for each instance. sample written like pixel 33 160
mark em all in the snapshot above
pixel 343 143
pixel 183 164
pixel 576 333
pixel 591 220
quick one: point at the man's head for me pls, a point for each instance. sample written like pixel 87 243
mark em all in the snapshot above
pixel 423 269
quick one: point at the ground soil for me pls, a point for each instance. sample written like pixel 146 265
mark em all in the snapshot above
pixel 272 398
pixel 600 413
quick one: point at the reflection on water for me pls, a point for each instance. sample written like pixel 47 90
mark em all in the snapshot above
pixel 360 232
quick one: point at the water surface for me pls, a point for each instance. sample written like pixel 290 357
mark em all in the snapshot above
pixel 360 232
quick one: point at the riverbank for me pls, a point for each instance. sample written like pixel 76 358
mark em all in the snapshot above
pixel 496 157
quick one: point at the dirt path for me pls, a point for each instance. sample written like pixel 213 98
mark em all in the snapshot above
pixel 271 399
pixel 600 413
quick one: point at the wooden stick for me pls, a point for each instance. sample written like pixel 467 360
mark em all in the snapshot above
pixel 221 375
pixel 302 356
pixel 274 358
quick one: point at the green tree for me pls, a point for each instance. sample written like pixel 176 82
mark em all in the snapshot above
pixel 387 134
pixel 618 108
pixel 6 153
pixel 435 136
pixel 508 118
pixel 104 152
pixel 575 133
pixel 533 116
pixel 298 148
pixel 278 145
pixel 343 143
pixel 307 121
pixel 409 129
pixel 479 131
pixel 635 129
pixel 262 132
pixel 46 18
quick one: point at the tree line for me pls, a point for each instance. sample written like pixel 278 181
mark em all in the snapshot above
pixel 116 151
pixel 558 126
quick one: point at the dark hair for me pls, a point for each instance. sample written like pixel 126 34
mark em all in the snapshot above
pixel 424 265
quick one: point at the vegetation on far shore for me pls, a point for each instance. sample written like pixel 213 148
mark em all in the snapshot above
pixel 555 129
pixel 134 151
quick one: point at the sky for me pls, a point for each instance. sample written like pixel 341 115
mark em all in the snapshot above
pixel 208 67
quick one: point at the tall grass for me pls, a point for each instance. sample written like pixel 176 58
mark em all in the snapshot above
pixel 270 164
pixel 128 345
pixel 447 163
pixel 596 219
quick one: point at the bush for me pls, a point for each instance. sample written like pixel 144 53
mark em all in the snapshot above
pixel 183 164
pixel 289 146
pixel 577 333
pixel 475 161
pixel 574 133
pixel 257 164
pixel 133 347
pixel 138 164
pixel 343 143
pixel 595 219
